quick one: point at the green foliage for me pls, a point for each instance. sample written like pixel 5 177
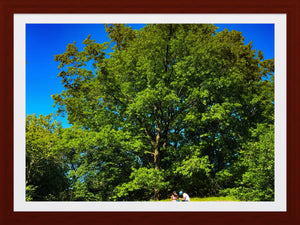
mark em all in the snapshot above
pixel 194 164
pixel 257 157
pixel 167 107
pixel 45 169
pixel 99 161
pixel 30 189
pixel 143 181
pixel 194 174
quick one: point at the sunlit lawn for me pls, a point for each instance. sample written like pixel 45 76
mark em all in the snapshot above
pixel 197 199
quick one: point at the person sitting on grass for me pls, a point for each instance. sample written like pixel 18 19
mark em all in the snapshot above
pixel 185 196
pixel 174 196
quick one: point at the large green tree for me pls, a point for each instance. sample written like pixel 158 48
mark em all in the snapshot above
pixel 174 101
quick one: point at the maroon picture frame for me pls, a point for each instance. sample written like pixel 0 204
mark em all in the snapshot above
pixel 9 7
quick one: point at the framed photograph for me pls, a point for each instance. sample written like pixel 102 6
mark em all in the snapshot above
pixel 35 31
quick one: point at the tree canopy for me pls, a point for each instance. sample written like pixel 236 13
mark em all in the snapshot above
pixel 167 107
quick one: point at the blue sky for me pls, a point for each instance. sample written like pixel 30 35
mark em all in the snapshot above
pixel 43 41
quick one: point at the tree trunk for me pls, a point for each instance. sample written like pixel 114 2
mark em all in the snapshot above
pixel 157 148
pixel 156 158
pixel 156 194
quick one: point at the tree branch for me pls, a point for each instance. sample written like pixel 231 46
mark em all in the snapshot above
pixel 152 153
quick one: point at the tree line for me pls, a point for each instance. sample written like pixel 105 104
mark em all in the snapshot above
pixel 167 107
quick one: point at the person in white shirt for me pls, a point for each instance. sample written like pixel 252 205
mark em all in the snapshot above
pixel 185 196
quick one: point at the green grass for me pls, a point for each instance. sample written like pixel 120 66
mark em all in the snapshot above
pixel 206 199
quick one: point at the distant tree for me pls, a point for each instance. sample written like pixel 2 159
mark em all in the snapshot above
pixel 256 160
pixel 45 169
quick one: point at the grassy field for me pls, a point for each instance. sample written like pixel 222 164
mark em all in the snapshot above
pixel 206 199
